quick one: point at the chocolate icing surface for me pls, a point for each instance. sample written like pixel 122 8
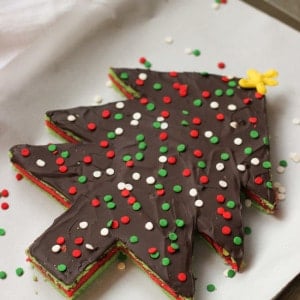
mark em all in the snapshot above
pixel 151 173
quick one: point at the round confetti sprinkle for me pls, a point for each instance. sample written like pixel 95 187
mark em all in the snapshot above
pixel 210 287
pixel 196 52
pixel 149 226
pixel 104 231
pixel 83 225
pixel 3 275
pixel 4 205
pixel 237 240
pixel 61 267
pixel 19 271
pixel 182 277
pixel 40 163
pixel 229 273
pixel 247 230
pixel 133 239
pixel 198 203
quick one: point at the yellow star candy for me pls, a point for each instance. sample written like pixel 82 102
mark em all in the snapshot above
pixel 259 80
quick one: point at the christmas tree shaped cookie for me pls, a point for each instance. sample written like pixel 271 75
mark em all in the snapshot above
pixel 143 176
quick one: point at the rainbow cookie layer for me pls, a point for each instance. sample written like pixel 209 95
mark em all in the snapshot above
pixel 148 174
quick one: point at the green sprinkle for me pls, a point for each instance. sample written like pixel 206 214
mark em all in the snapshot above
pixel 159 186
pixel 267 164
pixel 197 102
pixel 147 64
pixel 185 112
pixel 165 261
pixel 111 135
pixel 231 273
pixel 179 223
pixel 157 86
pixel 254 134
pixel 184 123
pixel 165 206
pixel 140 137
pixel 210 287
pixel 163 223
pixel 136 206
pixel 156 125
pixel 196 52
pixel 225 156
pixel 52 147
pixel 126 157
pixel 133 239
pixel 155 255
pixel 248 150
pixel 218 92
pixel 175 246
pixel 283 163
pixel 247 230
pixel 266 140
pixel 124 75
pixel 181 147
pixel 139 156
pixel 232 83
pixel 269 184
pixel 163 149
pixel 214 140
pixel 61 267
pixel 162 172
pixel 82 179
pixel 229 92
pixel 173 236
pixel 201 164
pixel 3 275
pixel 109 223
pixel 65 154
pixel 230 204
pixel 118 116
pixel 177 188
pixel 108 198
pixel 111 205
pixel 150 106
pixel 142 146
pixel 237 240
pixel 2 232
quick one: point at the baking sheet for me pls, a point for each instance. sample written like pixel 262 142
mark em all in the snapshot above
pixel 68 67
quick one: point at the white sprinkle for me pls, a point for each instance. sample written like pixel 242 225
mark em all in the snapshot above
pixel 280 169
pixel 97 174
pixel 208 134
pixel 223 184
pixel 255 161
pixel 143 76
pixel 120 105
pixel 121 186
pixel 238 141
pixel 98 99
pixel 234 124
pixel 119 131
pixel 164 125
pixel 136 176
pixel 296 121
pixel 198 203
pixel 188 51
pixel 134 122
pixel 89 247
pixel 71 118
pixel 248 203
pixel 137 116
pixel 109 83
pixel 55 248
pixel 150 180
pixel 220 166
pixel 281 189
pixel 215 5
pixel 193 192
pixel 276 184
pixel 163 159
pixel 128 186
pixel 110 171
pixel 295 157
pixel 83 225
pixel 40 163
pixel 232 107
pixel 149 226
pixel 169 40
pixel 104 231
pixel 241 167
pixel 160 119
pixel 214 105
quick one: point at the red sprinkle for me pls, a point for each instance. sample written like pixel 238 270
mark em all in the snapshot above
pixel 104 144
pixel 125 219
pixel 4 205
pixel 144 101
pixel 167 99
pixel 60 161
pixel 25 152
pixel 163 136
pixel 205 94
pixel 173 74
pixel 131 200
pixel 165 114
pixel 19 176
pixel 186 172
pixel 227 215
pixel 194 133
pixel 60 240
pixel 142 60
pixel 220 210
pixel 258 180
pixel 76 253
pixel 203 179
pixel 95 202
pixel 79 240
pixel 221 65
pixel 152 250
pixel 4 193
pixel 63 169
pixel 172 160
pixel 226 230
pixel 110 154
pixel 196 121
pixel 197 153
pixel 139 82
pixel 105 114
pixel 91 126
pixel 87 159
pixel 220 117
pixel 220 198
pixel 72 190
pixel 182 277
pixel 129 163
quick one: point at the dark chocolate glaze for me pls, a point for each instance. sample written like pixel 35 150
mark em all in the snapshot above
pixel 193 151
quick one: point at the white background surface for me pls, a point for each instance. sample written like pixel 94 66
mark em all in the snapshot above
pixel 67 66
